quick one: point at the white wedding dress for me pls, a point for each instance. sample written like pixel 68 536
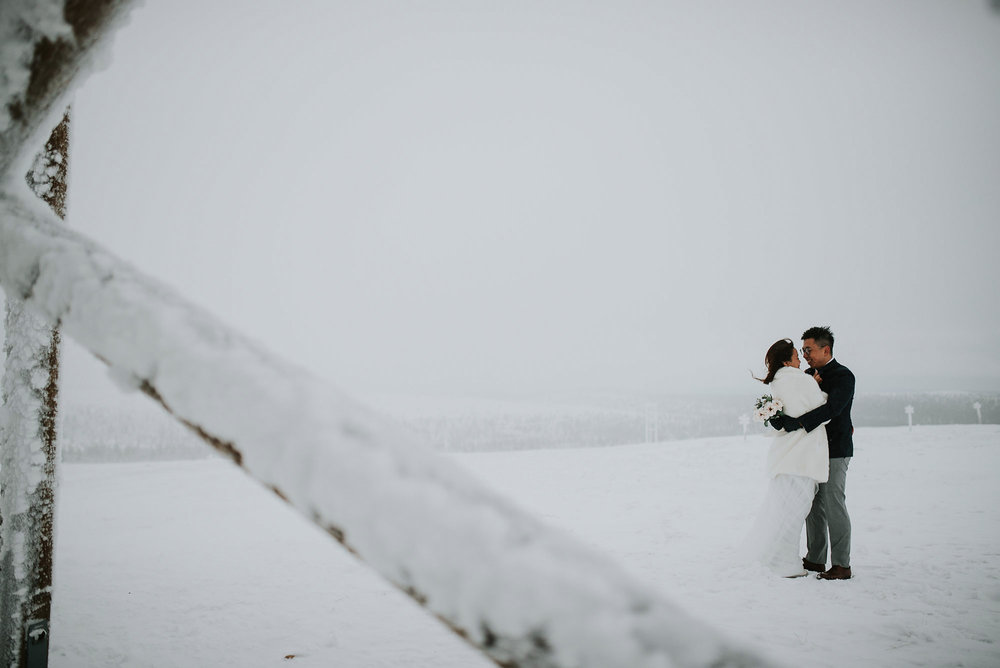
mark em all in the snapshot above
pixel 776 534
pixel 796 463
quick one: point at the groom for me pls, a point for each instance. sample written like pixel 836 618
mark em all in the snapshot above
pixel 829 509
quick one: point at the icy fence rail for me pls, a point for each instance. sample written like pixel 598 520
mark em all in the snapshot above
pixel 523 593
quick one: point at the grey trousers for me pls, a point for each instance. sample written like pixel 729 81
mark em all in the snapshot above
pixel 829 516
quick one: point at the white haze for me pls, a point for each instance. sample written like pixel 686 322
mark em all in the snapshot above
pixel 520 197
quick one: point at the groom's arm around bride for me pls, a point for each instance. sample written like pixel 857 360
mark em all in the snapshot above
pixel 838 382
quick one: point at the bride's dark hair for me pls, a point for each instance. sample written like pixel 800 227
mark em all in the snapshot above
pixel 779 353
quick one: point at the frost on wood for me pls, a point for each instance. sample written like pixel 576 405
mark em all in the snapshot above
pixel 43 46
pixel 28 389
pixel 29 452
pixel 522 592
pixel 24 24
pixel 47 177
pixel 28 456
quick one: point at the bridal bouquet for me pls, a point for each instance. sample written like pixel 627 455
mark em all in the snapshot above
pixel 767 408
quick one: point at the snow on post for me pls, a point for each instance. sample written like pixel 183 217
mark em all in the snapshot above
pixel 43 45
pixel 29 452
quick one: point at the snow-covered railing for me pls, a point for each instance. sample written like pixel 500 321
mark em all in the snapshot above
pixel 524 593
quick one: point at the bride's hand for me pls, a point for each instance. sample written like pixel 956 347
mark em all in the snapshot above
pixel 817 377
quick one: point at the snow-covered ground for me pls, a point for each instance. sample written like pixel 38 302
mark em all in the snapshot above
pixel 193 564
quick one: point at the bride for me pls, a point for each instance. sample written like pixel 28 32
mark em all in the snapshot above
pixel 796 463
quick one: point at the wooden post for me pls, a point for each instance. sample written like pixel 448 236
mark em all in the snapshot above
pixel 29 452
pixel 42 57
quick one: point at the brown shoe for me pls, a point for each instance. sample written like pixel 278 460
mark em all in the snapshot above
pixel 813 566
pixel 836 573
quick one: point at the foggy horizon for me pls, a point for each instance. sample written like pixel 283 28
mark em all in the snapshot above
pixel 522 199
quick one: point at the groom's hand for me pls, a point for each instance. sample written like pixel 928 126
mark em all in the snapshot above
pixel 790 423
pixel 778 422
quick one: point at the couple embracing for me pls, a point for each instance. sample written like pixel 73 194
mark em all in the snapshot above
pixel 808 460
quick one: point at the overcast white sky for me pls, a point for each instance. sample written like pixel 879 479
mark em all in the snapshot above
pixel 520 197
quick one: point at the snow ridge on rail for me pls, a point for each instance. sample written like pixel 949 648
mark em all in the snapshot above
pixel 524 593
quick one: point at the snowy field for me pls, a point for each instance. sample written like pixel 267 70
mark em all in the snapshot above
pixel 193 564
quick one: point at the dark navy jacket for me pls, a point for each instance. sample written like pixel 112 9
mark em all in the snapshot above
pixel 838 382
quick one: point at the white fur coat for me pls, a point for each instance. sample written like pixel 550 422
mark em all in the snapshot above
pixel 798 452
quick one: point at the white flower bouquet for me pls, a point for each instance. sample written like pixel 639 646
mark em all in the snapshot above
pixel 767 408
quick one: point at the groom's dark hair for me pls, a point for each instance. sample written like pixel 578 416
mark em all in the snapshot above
pixel 821 335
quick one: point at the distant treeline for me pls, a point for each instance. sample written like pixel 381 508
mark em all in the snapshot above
pixel 674 418
pixel 112 433
pixel 125 433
